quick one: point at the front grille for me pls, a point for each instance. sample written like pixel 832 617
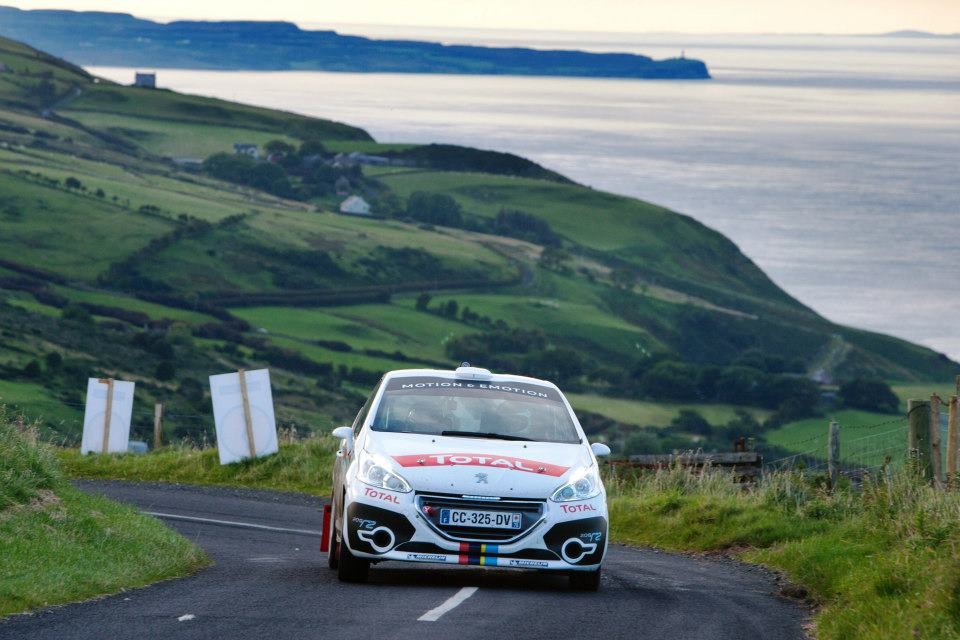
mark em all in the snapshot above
pixel 531 514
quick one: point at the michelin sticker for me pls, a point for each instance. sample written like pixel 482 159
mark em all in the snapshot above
pixel 539 564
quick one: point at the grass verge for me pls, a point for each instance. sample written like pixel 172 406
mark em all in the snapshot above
pixel 882 560
pixel 303 466
pixel 58 545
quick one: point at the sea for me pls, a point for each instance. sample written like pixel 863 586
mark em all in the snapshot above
pixel 832 161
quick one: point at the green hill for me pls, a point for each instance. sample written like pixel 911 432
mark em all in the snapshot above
pixel 120 256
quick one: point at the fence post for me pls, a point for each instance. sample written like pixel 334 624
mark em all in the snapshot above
pixel 936 455
pixel 918 437
pixel 833 453
pixel 157 426
pixel 953 440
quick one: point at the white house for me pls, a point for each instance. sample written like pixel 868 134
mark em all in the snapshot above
pixel 247 148
pixel 355 205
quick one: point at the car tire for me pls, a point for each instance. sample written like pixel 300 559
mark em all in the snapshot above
pixel 585 580
pixel 350 568
pixel 333 547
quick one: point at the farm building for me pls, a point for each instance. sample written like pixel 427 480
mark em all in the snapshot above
pixel 146 80
pixel 355 205
pixel 247 148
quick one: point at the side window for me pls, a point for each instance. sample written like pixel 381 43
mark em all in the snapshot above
pixel 362 416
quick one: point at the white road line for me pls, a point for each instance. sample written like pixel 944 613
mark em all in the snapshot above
pixel 451 603
pixel 231 523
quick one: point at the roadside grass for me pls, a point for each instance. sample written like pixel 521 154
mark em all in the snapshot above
pixel 59 545
pixel 881 560
pixel 304 466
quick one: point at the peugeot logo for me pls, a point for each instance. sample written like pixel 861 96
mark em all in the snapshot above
pixel 481 478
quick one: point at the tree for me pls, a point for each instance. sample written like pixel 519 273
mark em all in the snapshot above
pixel 76 313
pixel 423 301
pixel 312 148
pixel 434 208
pixel 279 147
pixel 72 183
pixel 165 371
pixel 670 381
pixel 555 258
pixel 869 394
pixel 33 370
pixel 53 360
pixel 688 421
pixel 639 442
pixel 450 309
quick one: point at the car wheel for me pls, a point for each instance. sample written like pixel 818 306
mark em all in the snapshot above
pixel 350 568
pixel 333 547
pixel 585 580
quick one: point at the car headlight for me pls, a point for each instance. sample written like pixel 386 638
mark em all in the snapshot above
pixel 583 485
pixel 376 471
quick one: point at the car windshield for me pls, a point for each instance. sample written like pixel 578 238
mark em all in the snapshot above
pixel 473 409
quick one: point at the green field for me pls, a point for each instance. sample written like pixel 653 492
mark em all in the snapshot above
pixel 865 438
pixel 656 414
pixel 386 328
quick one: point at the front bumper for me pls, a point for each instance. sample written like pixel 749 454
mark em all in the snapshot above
pixel 384 525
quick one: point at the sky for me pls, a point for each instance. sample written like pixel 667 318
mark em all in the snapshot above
pixel 633 16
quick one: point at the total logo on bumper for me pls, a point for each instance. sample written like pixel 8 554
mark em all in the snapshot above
pixel 475 460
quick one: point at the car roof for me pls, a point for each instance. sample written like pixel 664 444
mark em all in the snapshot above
pixel 452 375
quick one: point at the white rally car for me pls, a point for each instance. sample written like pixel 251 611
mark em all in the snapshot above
pixel 466 467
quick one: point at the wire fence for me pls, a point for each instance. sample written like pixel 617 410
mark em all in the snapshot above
pixel 870 448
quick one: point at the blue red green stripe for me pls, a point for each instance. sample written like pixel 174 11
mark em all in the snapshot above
pixel 477 553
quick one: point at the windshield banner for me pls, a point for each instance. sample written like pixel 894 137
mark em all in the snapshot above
pixel 430 386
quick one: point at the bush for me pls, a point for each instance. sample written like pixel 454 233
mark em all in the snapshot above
pixel 434 208
pixel 165 371
pixel 670 381
pixel 869 395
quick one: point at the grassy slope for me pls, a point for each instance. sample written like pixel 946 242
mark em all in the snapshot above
pixel 692 276
pixel 59 545
pixel 882 562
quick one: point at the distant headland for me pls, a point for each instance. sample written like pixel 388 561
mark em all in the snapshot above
pixel 119 39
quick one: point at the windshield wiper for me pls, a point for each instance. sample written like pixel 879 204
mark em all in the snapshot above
pixel 484 434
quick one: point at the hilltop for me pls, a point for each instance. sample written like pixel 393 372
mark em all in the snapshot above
pixel 118 39
pixel 136 244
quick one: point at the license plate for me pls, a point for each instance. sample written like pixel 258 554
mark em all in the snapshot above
pixel 487 519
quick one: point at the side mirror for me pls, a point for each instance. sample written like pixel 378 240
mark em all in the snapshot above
pixel 345 434
pixel 599 449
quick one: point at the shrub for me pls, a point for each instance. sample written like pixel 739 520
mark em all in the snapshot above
pixel 869 395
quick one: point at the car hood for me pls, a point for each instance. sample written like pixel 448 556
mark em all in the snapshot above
pixel 479 466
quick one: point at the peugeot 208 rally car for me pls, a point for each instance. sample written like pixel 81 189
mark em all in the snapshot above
pixel 467 467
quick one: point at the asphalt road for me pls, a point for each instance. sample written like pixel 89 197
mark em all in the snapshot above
pixel 274 585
